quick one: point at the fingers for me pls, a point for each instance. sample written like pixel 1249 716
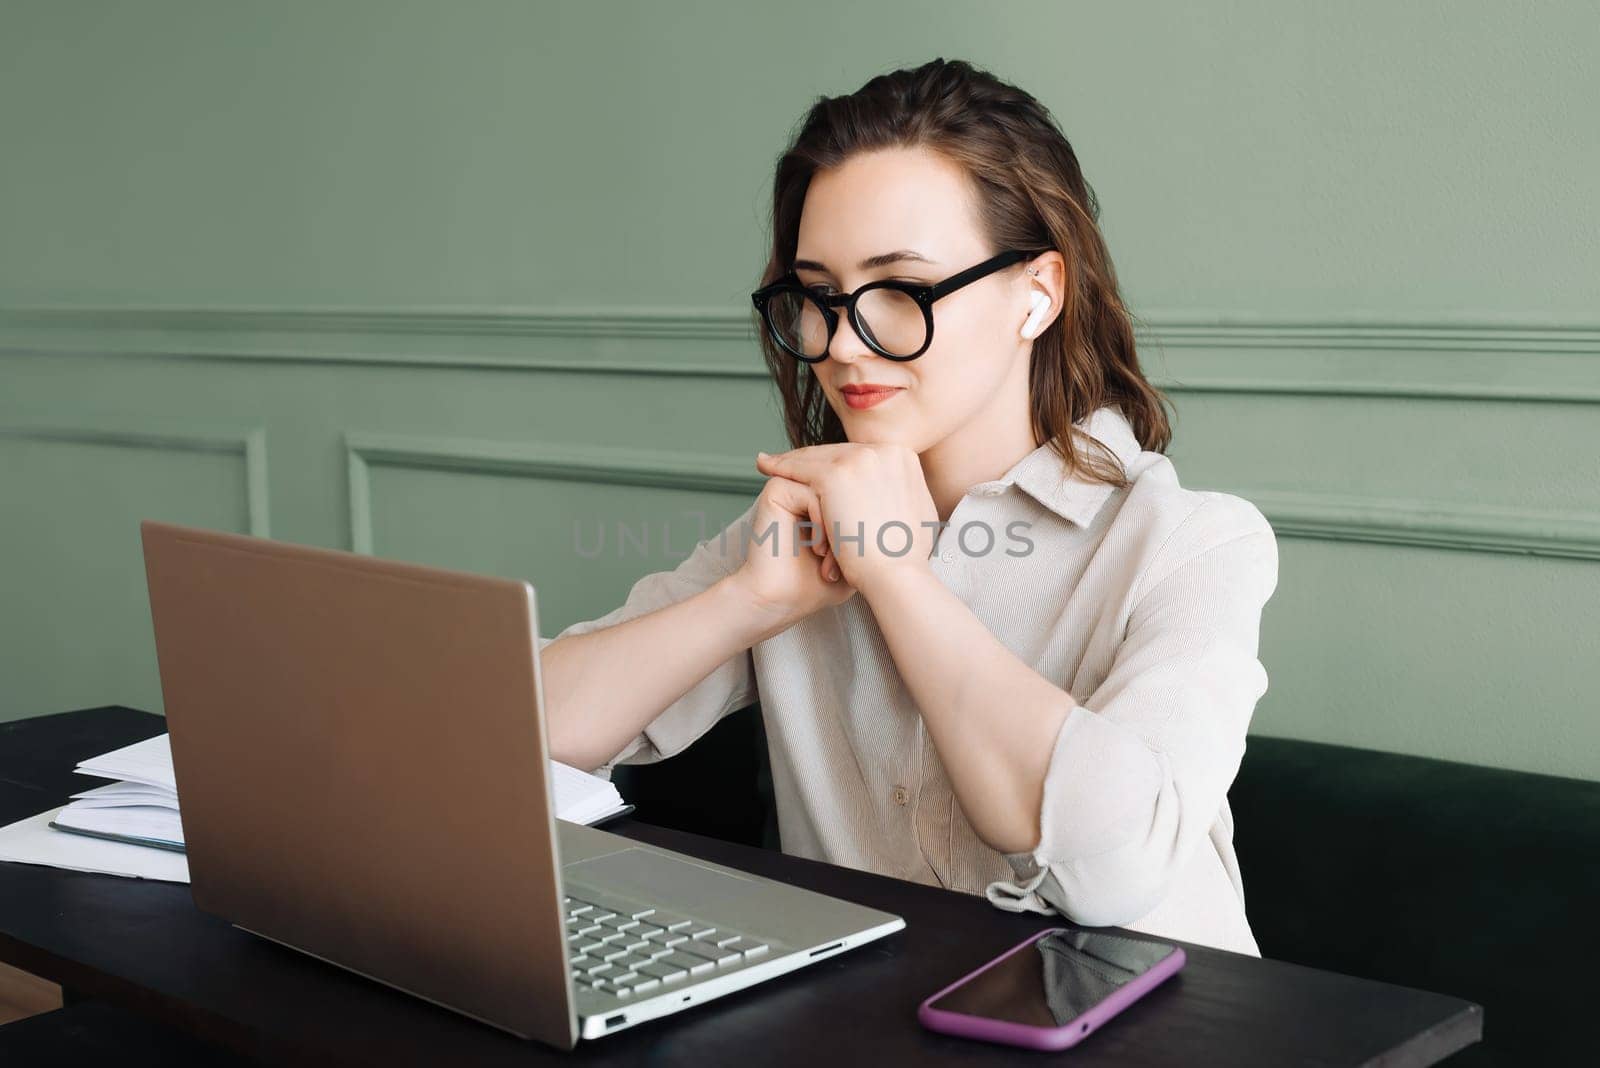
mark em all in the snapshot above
pixel 830 568
pixel 803 463
pixel 800 501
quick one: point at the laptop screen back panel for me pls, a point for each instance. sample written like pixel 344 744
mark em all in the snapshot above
pixel 361 766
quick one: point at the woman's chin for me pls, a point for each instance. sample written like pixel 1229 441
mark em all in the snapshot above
pixel 875 435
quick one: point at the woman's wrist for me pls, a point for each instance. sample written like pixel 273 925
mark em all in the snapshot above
pixel 754 617
pixel 889 579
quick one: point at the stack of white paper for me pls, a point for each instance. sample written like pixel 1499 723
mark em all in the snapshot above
pixel 140 806
pixel 131 826
pixel 581 797
pixel 34 841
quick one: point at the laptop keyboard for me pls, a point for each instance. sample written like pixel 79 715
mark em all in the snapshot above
pixel 626 951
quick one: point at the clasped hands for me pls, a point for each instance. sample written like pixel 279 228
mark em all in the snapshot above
pixel 871 513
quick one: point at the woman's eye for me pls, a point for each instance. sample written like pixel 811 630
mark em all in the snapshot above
pixel 822 290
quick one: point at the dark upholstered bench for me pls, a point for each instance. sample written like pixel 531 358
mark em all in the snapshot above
pixel 1460 879
pixel 1466 880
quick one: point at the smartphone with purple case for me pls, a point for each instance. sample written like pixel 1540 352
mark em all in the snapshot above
pixel 1051 990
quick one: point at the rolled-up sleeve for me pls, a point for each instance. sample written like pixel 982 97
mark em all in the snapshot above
pixel 1139 771
pixel 729 687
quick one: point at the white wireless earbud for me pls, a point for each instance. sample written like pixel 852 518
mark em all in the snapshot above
pixel 1041 307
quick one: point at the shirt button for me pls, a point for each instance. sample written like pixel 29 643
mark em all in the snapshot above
pixel 948 556
pixel 901 795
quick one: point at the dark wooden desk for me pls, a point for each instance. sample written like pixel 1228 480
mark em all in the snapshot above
pixel 143 945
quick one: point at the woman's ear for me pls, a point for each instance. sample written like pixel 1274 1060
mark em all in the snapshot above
pixel 1044 278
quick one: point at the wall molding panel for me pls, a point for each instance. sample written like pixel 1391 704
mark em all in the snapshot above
pixel 1486 360
pixel 249 444
pixel 654 468
pixel 1446 525
pixel 1318 516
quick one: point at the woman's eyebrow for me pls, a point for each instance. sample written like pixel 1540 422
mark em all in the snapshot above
pixel 871 262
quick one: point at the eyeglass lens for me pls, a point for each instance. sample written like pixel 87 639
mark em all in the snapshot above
pixel 891 320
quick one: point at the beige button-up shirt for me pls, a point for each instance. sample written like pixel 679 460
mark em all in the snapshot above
pixel 1143 603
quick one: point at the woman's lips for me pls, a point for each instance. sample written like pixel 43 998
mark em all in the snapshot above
pixel 868 398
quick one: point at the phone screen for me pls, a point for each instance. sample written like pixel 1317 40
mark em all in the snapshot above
pixel 1055 979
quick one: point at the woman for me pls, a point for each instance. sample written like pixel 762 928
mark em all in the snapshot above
pixel 1019 658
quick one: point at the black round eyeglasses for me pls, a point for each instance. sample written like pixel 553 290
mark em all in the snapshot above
pixel 893 318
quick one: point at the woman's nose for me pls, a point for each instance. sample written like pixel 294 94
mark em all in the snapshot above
pixel 846 345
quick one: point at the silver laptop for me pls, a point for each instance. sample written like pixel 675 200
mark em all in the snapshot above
pixel 361 759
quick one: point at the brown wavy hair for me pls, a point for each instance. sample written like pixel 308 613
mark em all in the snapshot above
pixel 1031 194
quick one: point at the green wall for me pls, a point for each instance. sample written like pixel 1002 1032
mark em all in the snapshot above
pixel 440 281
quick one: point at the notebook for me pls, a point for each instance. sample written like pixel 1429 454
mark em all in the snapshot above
pixel 140 805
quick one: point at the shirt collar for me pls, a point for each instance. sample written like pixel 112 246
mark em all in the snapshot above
pixel 1041 473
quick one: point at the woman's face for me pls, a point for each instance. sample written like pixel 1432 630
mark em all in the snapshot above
pixel 917 202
